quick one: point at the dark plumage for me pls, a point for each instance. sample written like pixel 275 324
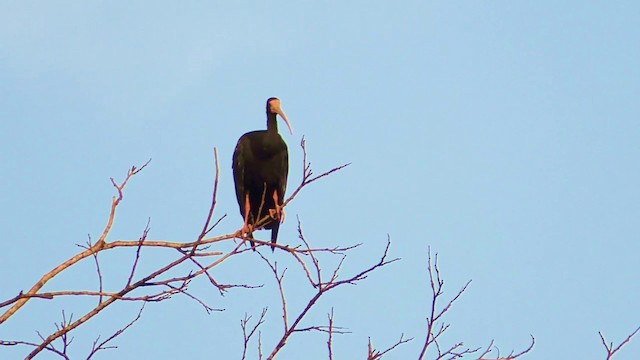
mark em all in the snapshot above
pixel 260 169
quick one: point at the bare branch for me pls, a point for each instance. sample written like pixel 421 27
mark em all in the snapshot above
pixel 48 348
pixel 103 345
pixel 307 172
pixel 279 278
pixel 206 228
pixel 610 349
pixel 50 275
pixel 511 356
pixel 376 355
pixel 97 262
pixel 432 336
pixel 140 242
pixel 247 336
pixel 322 289
pixel 315 261
pixel 330 341
pixel 46 342
pixel 363 274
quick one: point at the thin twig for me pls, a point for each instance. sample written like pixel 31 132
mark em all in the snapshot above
pixel 432 336
pixel 206 228
pixel 140 242
pixel 511 356
pixel 279 279
pixel 321 290
pixel 103 345
pixel 330 341
pixel 610 349
pixel 98 271
pixel 99 245
pixel 247 336
pixel 376 355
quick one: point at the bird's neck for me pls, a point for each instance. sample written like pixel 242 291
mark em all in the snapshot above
pixel 272 124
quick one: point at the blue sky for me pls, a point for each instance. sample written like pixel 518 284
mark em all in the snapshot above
pixel 504 135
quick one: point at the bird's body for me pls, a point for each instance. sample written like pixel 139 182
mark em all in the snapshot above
pixel 260 169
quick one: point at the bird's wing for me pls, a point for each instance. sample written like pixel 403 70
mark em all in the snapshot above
pixel 285 173
pixel 238 164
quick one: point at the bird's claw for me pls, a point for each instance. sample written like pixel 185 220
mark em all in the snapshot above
pixel 245 232
pixel 277 213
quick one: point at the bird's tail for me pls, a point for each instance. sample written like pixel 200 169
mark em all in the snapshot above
pixel 274 234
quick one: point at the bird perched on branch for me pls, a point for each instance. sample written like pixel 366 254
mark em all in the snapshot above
pixel 260 169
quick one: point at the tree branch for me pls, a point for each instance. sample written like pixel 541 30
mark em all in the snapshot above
pixel 610 349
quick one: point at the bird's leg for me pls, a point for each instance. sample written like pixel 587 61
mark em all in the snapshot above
pixel 277 213
pixel 247 229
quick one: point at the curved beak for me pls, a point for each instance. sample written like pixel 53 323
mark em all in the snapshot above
pixel 284 117
pixel 275 107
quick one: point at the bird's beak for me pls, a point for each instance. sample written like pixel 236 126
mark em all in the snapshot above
pixel 278 110
pixel 284 117
pixel 274 107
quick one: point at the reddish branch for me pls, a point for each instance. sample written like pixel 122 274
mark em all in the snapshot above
pixel 63 331
pixel 610 349
pixel 104 344
pixel 20 300
pixel 511 355
pixel 214 199
pixel 376 355
pixel 435 315
pixel 307 172
pixel 330 340
pixel 321 289
pixel 247 334
pixel 436 327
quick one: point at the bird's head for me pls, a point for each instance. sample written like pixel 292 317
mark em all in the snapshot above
pixel 273 107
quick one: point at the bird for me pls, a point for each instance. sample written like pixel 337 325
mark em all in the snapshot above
pixel 260 169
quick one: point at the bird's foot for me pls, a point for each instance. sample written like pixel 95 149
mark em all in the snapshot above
pixel 245 232
pixel 277 213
